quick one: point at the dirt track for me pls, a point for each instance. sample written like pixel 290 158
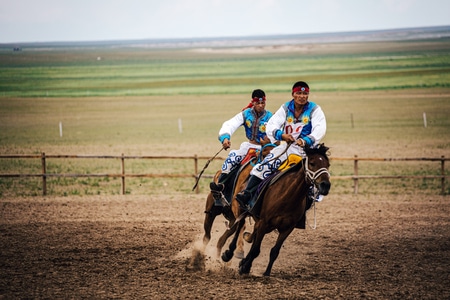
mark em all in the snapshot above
pixel 395 247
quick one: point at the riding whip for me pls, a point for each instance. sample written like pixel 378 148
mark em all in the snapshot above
pixel 204 168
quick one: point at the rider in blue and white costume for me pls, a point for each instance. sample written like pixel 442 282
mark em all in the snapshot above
pixel 299 123
pixel 254 118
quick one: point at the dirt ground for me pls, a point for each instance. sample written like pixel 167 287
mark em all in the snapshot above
pixel 136 247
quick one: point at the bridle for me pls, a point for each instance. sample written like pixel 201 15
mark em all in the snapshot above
pixel 313 175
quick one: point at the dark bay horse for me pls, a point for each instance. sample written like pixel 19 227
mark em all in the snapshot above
pixel 284 204
pixel 233 210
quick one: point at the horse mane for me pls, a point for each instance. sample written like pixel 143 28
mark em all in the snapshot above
pixel 320 149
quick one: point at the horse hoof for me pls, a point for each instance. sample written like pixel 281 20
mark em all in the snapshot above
pixel 239 254
pixel 243 270
pixel 227 256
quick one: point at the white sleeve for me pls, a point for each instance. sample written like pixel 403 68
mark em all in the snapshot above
pixel 230 126
pixel 319 125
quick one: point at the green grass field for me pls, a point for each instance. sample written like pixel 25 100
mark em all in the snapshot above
pixel 131 101
pixel 101 71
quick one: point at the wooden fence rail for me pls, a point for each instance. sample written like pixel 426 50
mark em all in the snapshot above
pixel 355 177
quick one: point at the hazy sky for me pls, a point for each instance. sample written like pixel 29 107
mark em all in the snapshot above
pixel 88 20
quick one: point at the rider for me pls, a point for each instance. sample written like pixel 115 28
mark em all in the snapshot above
pixel 254 118
pixel 298 122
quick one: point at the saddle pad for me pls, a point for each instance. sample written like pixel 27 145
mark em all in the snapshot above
pixel 292 159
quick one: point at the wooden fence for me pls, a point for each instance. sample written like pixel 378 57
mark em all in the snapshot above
pixel 355 177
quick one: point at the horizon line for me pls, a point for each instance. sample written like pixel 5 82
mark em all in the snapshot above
pixel 228 38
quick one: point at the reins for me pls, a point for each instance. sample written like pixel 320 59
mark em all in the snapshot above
pixel 279 155
pixel 260 155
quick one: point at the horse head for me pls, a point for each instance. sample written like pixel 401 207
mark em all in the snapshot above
pixel 316 168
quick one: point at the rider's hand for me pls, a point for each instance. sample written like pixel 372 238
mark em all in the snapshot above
pixel 287 137
pixel 226 144
pixel 301 142
pixel 264 141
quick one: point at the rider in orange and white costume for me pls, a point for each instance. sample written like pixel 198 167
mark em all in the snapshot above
pixel 299 123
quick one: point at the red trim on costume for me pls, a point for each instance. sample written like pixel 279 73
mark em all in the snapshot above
pixel 300 89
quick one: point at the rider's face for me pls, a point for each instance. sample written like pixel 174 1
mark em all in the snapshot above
pixel 259 106
pixel 300 98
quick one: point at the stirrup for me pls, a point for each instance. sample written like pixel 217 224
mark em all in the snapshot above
pixel 217 187
pixel 219 199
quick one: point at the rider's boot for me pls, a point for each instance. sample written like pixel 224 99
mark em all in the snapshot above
pixel 244 197
pixel 219 186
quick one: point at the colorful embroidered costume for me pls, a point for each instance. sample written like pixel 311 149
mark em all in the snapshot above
pixel 310 126
pixel 255 131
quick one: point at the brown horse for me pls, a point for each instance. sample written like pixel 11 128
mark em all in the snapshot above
pixel 283 205
pixel 230 212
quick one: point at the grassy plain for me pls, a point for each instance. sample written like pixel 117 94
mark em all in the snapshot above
pixel 132 101
pixel 128 71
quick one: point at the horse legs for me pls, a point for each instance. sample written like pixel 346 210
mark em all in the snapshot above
pixel 258 235
pixel 240 244
pixel 207 226
pixel 211 212
pixel 228 254
pixel 226 235
pixel 222 240
pixel 276 249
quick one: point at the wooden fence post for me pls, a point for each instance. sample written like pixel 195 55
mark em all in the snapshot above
pixel 355 179
pixel 443 175
pixel 123 174
pixel 44 177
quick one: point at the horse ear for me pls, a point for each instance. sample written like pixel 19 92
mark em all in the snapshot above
pixel 323 149
pixel 308 149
